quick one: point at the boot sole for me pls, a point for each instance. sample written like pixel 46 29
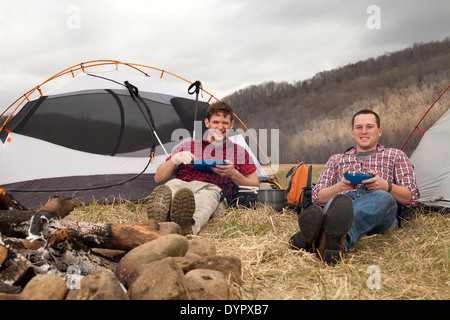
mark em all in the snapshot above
pixel 159 201
pixel 337 222
pixel 309 222
pixel 182 210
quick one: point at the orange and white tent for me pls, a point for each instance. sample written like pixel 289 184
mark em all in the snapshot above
pixel 90 140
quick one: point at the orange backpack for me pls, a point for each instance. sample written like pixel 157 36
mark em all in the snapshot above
pixel 298 192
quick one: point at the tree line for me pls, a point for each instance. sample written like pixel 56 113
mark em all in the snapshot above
pixel 313 115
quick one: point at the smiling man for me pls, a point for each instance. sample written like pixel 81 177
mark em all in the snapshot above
pixel 194 195
pixel 354 210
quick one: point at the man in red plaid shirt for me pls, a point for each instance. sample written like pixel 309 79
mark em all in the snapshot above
pixel 194 195
pixel 354 210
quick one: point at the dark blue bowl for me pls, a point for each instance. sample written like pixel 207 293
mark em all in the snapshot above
pixel 207 164
pixel 357 178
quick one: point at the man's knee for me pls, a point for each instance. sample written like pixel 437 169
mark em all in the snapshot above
pixel 386 200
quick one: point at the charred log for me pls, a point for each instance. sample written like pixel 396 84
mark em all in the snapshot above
pixel 7 201
pixel 44 223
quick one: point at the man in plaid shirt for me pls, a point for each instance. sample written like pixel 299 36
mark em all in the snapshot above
pixel 194 195
pixel 354 210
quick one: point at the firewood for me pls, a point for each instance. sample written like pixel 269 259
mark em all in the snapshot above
pixel 44 223
pixel 21 224
pixel 63 251
pixel 59 205
pixel 112 236
pixel 14 223
pixel 3 254
pixel 7 201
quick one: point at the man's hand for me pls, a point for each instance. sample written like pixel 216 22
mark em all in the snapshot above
pixel 344 184
pixel 226 171
pixel 165 171
pixel 183 157
pixel 376 183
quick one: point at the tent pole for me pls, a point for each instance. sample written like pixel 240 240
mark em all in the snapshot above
pixel 197 85
pixel 134 94
pixel 417 125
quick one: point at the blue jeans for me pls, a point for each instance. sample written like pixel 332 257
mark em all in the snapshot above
pixel 373 212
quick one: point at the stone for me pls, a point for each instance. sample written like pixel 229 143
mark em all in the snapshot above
pixel 160 280
pixel 9 296
pixel 172 245
pixel 191 257
pixel 204 284
pixel 202 247
pixel 168 227
pixel 45 287
pixel 229 265
pixel 99 285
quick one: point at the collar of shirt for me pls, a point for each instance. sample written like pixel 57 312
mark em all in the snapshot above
pixel 352 150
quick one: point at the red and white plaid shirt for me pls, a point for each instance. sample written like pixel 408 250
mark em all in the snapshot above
pixel 203 150
pixel 391 165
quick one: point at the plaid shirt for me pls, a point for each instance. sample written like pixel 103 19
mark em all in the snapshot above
pixel 203 150
pixel 390 164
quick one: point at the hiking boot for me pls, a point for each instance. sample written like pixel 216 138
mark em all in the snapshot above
pixel 182 210
pixel 309 221
pixel 338 221
pixel 159 201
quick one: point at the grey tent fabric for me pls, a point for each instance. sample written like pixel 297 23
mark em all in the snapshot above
pixel 431 161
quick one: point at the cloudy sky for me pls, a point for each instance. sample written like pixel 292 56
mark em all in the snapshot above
pixel 226 44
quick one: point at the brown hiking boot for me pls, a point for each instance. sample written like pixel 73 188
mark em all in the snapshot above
pixel 310 223
pixel 159 201
pixel 182 210
pixel 338 220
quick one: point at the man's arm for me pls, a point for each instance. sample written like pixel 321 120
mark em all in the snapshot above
pixel 401 194
pixel 166 170
pixel 326 186
pixel 229 171
pixel 326 194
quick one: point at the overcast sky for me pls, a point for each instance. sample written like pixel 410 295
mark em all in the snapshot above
pixel 226 44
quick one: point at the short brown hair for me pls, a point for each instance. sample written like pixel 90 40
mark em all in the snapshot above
pixel 219 107
pixel 366 111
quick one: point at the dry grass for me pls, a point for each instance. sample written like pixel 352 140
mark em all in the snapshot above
pixel 413 262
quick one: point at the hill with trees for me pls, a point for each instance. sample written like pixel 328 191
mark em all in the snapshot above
pixel 313 116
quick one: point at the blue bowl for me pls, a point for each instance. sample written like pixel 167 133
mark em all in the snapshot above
pixel 207 164
pixel 357 178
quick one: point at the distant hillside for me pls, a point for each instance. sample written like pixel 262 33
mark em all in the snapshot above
pixel 314 115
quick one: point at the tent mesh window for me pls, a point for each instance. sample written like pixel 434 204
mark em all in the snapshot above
pixel 102 123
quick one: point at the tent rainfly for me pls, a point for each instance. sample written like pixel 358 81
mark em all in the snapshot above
pixel 90 140
pixel 432 165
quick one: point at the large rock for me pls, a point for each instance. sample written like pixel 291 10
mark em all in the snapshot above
pixel 99 285
pixel 206 284
pixel 159 280
pixel 168 227
pixel 202 247
pixel 171 245
pixel 229 265
pixel 45 287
